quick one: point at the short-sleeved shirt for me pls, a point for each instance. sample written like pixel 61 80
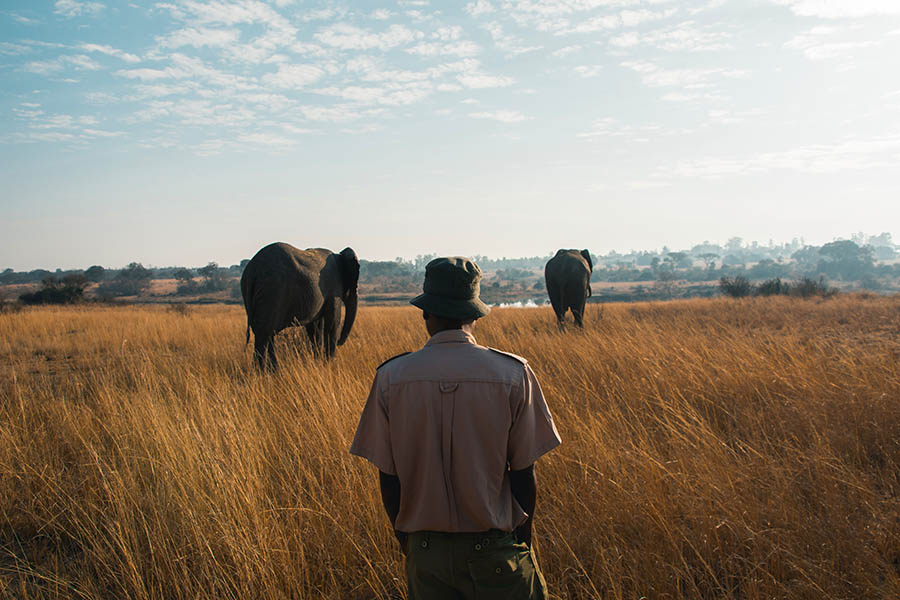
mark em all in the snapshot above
pixel 450 421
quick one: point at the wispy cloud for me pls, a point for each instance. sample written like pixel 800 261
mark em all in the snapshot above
pixel 847 155
pixel 566 51
pixel 841 9
pixel 74 8
pixel 80 62
pixel 479 7
pixel 689 78
pixel 10 49
pixel 461 48
pixel 110 51
pixel 44 127
pixel 507 43
pixel 187 67
pixel 293 76
pixel 198 38
pixel 625 18
pixel 609 127
pixel 473 77
pixel 22 19
pixel 687 36
pixel 589 70
pixel 337 113
pixel 267 139
pixel 398 95
pixel 818 44
pixel 349 37
pixel 504 116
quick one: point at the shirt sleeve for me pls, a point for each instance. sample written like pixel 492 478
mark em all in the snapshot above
pixel 533 432
pixel 373 434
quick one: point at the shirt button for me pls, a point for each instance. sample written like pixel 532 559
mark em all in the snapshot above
pixel 424 543
pixel 497 570
pixel 478 546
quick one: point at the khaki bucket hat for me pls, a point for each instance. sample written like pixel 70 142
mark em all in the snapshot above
pixel 452 284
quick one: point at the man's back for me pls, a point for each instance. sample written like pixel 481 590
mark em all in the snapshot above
pixel 458 416
pixel 454 430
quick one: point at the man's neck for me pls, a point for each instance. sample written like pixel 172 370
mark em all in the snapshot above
pixel 434 330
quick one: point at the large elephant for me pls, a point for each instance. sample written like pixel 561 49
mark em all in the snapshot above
pixel 284 286
pixel 568 278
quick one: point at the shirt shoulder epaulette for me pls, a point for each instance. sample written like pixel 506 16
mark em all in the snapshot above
pixel 515 357
pixel 390 359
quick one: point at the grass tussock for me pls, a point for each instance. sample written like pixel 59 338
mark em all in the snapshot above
pixel 712 449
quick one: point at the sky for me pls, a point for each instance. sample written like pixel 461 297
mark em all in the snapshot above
pixel 181 132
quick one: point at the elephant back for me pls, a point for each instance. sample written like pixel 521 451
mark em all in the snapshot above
pixel 569 261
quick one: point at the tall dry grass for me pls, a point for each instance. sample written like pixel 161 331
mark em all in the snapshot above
pixel 712 449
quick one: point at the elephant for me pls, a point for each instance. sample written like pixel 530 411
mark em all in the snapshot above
pixel 568 278
pixel 283 286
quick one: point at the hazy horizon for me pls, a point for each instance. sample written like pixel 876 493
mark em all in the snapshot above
pixel 183 132
pixel 549 252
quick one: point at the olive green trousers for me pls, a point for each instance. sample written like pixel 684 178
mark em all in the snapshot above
pixel 471 566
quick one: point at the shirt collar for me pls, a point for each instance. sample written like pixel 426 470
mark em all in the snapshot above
pixel 451 336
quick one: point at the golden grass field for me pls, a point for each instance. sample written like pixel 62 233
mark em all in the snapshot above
pixel 711 449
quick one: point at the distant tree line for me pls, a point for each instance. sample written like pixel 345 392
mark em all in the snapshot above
pixel 65 287
pixel 872 262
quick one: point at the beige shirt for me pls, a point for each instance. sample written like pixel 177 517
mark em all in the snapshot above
pixel 450 421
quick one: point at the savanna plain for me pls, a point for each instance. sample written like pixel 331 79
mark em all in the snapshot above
pixel 711 449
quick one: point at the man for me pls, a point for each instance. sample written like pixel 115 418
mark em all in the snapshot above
pixel 455 429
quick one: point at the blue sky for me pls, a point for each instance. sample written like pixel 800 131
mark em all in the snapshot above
pixel 179 132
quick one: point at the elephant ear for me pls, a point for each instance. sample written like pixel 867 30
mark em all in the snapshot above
pixel 349 270
pixel 587 257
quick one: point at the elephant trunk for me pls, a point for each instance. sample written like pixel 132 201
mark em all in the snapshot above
pixel 351 301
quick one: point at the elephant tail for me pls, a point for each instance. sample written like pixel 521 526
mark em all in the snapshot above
pixel 247 341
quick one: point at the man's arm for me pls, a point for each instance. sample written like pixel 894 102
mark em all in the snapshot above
pixel 390 498
pixel 524 489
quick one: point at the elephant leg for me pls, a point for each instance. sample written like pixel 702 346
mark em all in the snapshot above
pixel 578 313
pixel 260 349
pixel 270 354
pixel 315 330
pixel 332 313
pixel 558 309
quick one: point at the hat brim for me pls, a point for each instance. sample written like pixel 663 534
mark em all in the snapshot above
pixel 451 309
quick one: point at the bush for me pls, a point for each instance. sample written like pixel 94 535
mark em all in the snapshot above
pixel 54 291
pixel 186 288
pixel 736 287
pixel 131 281
pixel 213 277
pixel 807 287
pixel 773 287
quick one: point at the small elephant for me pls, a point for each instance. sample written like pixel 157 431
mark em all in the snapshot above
pixel 568 278
pixel 283 286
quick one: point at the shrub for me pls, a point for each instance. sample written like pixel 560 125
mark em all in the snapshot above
pixel 807 287
pixel 736 287
pixel 131 281
pixel 54 291
pixel 773 287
